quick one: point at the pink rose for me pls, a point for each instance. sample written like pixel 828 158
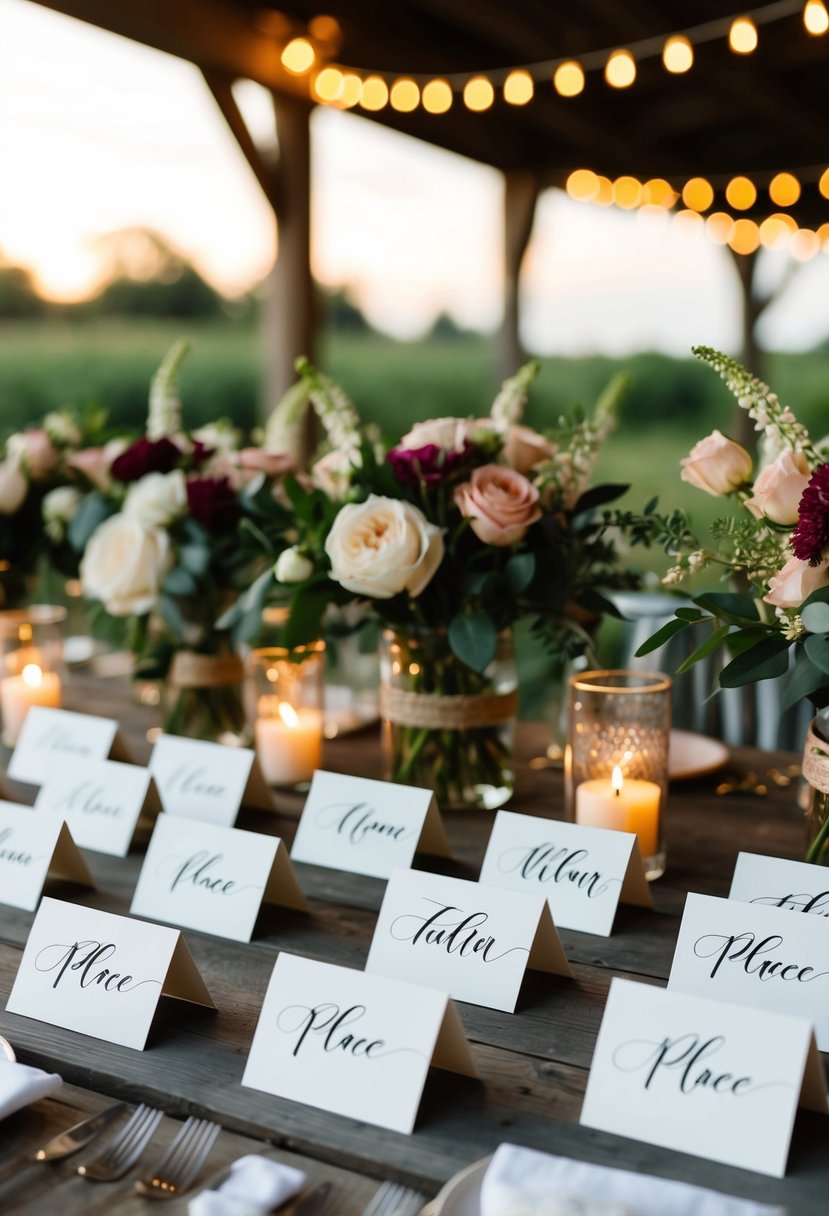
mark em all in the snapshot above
pixel 34 451
pixel 524 448
pixel 500 503
pixel 716 465
pixel 791 585
pixel 13 487
pixel 95 463
pixel 778 488
pixel 449 434
pixel 272 464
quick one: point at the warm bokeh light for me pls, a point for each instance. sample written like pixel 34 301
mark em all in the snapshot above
pixel 627 193
pixel 784 190
pixel 689 221
pixel 437 97
pixel 375 93
pixel 742 37
pixel 658 193
pixel 745 236
pixel 478 94
pixel 582 184
pixel 620 70
pixel 823 237
pixel 815 17
pixel 404 96
pixel 774 233
pixel 568 79
pixel 352 90
pixel 298 56
pixel 804 245
pixel 518 88
pixel 823 184
pixel 698 194
pixel 325 28
pixel 677 55
pixel 719 226
pixel 329 84
pixel 741 193
pixel 604 195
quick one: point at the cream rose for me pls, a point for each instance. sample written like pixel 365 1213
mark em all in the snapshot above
pixel 382 547
pixel 524 448
pixel 778 488
pixel 449 434
pixel 716 465
pixel 59 507
pixel 791 585
pixel 125 564
pixel 332 473
pixel 499 503
pixel 293 566
pixel 157 499
pixel 13 487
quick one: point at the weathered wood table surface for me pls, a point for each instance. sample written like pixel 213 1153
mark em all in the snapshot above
pixel 533 1064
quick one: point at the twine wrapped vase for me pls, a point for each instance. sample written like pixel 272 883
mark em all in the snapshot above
pixel 815 769
pixel 446 727
pixel 203 697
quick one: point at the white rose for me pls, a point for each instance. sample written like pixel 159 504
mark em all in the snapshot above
pixel 382 547
pixel 220 436
pixel 332 472
pixel 62 428
pixel 59 507
pixel 13 487
pixel 716 465
pixel 449 434
pixel 292 566
pixel 157 499
pixel 125 564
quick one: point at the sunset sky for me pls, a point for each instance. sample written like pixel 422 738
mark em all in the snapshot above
pixel 99 134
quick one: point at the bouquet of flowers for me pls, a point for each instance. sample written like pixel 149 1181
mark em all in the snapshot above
pixel 460 529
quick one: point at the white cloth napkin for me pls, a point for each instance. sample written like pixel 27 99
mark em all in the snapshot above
pixel 255 1186
pixel 20 1085
pixel 522 1182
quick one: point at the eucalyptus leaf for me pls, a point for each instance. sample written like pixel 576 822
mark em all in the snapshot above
pixel 732 607
pixel 91 513
pixel 815 617
pixel 817 648
pixel 473 638
pixel 708 647
pixel 764 661
pixel 180 582
pixel 520 570
pixel 194 558
pixel 803 679
pixel 669 629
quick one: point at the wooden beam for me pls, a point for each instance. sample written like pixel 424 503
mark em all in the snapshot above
pixel 520 197
pixel 266 174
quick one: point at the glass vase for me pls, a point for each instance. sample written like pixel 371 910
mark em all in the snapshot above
pixel 815 769
pixel 31 663
pixel 203 698
pixel 446 727
pixel 286 708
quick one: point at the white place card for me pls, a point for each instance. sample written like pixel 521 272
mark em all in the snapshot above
pixel 367 827
pixel 353 1044
pixel 49 737
pixel 774 882
pixel 584 873
pixel 32 849
pixel 472 941
pixel 101 800
pixel 206 781
pixel 703 1077
pixel 101 974
pixel 211 878
pixel 752 955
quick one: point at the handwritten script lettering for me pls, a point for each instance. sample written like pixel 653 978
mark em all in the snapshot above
pixel 745 951
pixel 357 821
pixel 196 871
pixel 329 1022
pixel 83 961
pixel 818 904
pixel 88 799
pixel 548 862
pixel 459 934
pixel 59 739
pixel 16 856
pixel 189 780
pixel 683 1058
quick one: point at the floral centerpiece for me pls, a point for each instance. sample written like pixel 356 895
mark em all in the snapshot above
pixel 777 545
pixel 460 529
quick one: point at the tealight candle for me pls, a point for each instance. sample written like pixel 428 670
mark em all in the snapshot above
pixel 622 805
pixel 18 694
pixel 288 742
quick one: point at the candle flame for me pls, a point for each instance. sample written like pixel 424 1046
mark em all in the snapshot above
pixel 617 780
pixel 32 675
pixel 288 714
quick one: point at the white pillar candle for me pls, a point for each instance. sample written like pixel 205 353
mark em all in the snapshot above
pixel 288 742
pixel 623 805
pixel 18 694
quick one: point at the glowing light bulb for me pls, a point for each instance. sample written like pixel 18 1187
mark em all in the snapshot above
pixel 677 55
pixel 298 56
pixel 745 236
pixel 568 79
pixel 697 194
pixel 604 195
pixel 478 94
pixel 437 97
pixel 352 90
pixel 823 184
pixel 329 84
pixel 627 193
pixel 742 37
pixel 784 190
pixel 718 227
pixel 404 96
pixel 375 93
pixel 804 244
pixel 773 232
pixel 518 88
pixel 582 184
pixel 815 17
pixel 658 193
pixel 741 193
pixel 620 70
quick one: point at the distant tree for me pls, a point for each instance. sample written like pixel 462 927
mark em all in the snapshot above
pixel 146 276
pixel 18 294
pixel 342 314
pixel 446 329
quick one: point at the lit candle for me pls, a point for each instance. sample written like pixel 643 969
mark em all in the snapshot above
pixel 622 805
pixel 18 694
pixel 288 742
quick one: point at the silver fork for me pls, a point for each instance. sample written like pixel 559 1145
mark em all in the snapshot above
pixel 125 1148
pixel 392 1199
pixel 179 1167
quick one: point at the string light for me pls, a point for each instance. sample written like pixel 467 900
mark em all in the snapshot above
pixel 437 97
pixel 745 236
pixel 352 90
pixel 582 184
pixel 719 226
pixel 404 96
pixel 678 55
pixel 773 232
pixel 658 193
pixel 815 17
pixel 823 237
pixel 741 193
pixel 627 193
pixel 823 184
pixel 518 88
pixel 804 244
pixel 329 84
pixel 298 56
pixel 697 194
pixel 568 79
pixel 688 221
pixel 375 93
pixel 620 70
pixel 478 94
pixel 784 190
pixel 742 37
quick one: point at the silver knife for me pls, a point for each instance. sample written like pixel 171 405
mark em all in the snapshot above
pixel 68 1142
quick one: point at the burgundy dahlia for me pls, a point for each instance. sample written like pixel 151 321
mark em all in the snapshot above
pixel 430 464
pixel 212 502
pixel 146 456
pixel 811 536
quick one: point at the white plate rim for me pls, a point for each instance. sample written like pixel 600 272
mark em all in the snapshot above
pixel 713 755
pixel 466 1184
pixel 7 1050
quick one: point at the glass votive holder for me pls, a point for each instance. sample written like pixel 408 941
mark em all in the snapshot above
pixel 616 758
pixel 31 663
pixel 287 711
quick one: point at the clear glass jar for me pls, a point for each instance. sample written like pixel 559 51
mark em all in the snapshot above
pixel 203 698
pixel 31 663
pixel 815 771
pixel 286 711
pixel 445 727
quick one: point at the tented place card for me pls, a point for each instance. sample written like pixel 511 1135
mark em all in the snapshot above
pixel 32 849
pixel 100 974
pixel 367 827
pixel 753 955
pixel 353 1044
pixel 773 882
pixel 212 878
pixel 101 800
pixel 703 1077
pixel 206 781
pixel 583 872
pixel 472 941
pixel 49 737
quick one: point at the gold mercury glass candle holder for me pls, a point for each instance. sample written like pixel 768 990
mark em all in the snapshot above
pixel 31 663
pixel 616 758
pixel 287 711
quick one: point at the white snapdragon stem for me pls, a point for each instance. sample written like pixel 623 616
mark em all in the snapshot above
pixel 164 416
pixel 333 407
pixel 508 406
pixel 283 431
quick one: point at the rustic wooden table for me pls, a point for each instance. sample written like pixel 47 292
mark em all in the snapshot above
pixel 533 1064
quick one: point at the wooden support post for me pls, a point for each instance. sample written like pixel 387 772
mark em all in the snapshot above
pixel 520 198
